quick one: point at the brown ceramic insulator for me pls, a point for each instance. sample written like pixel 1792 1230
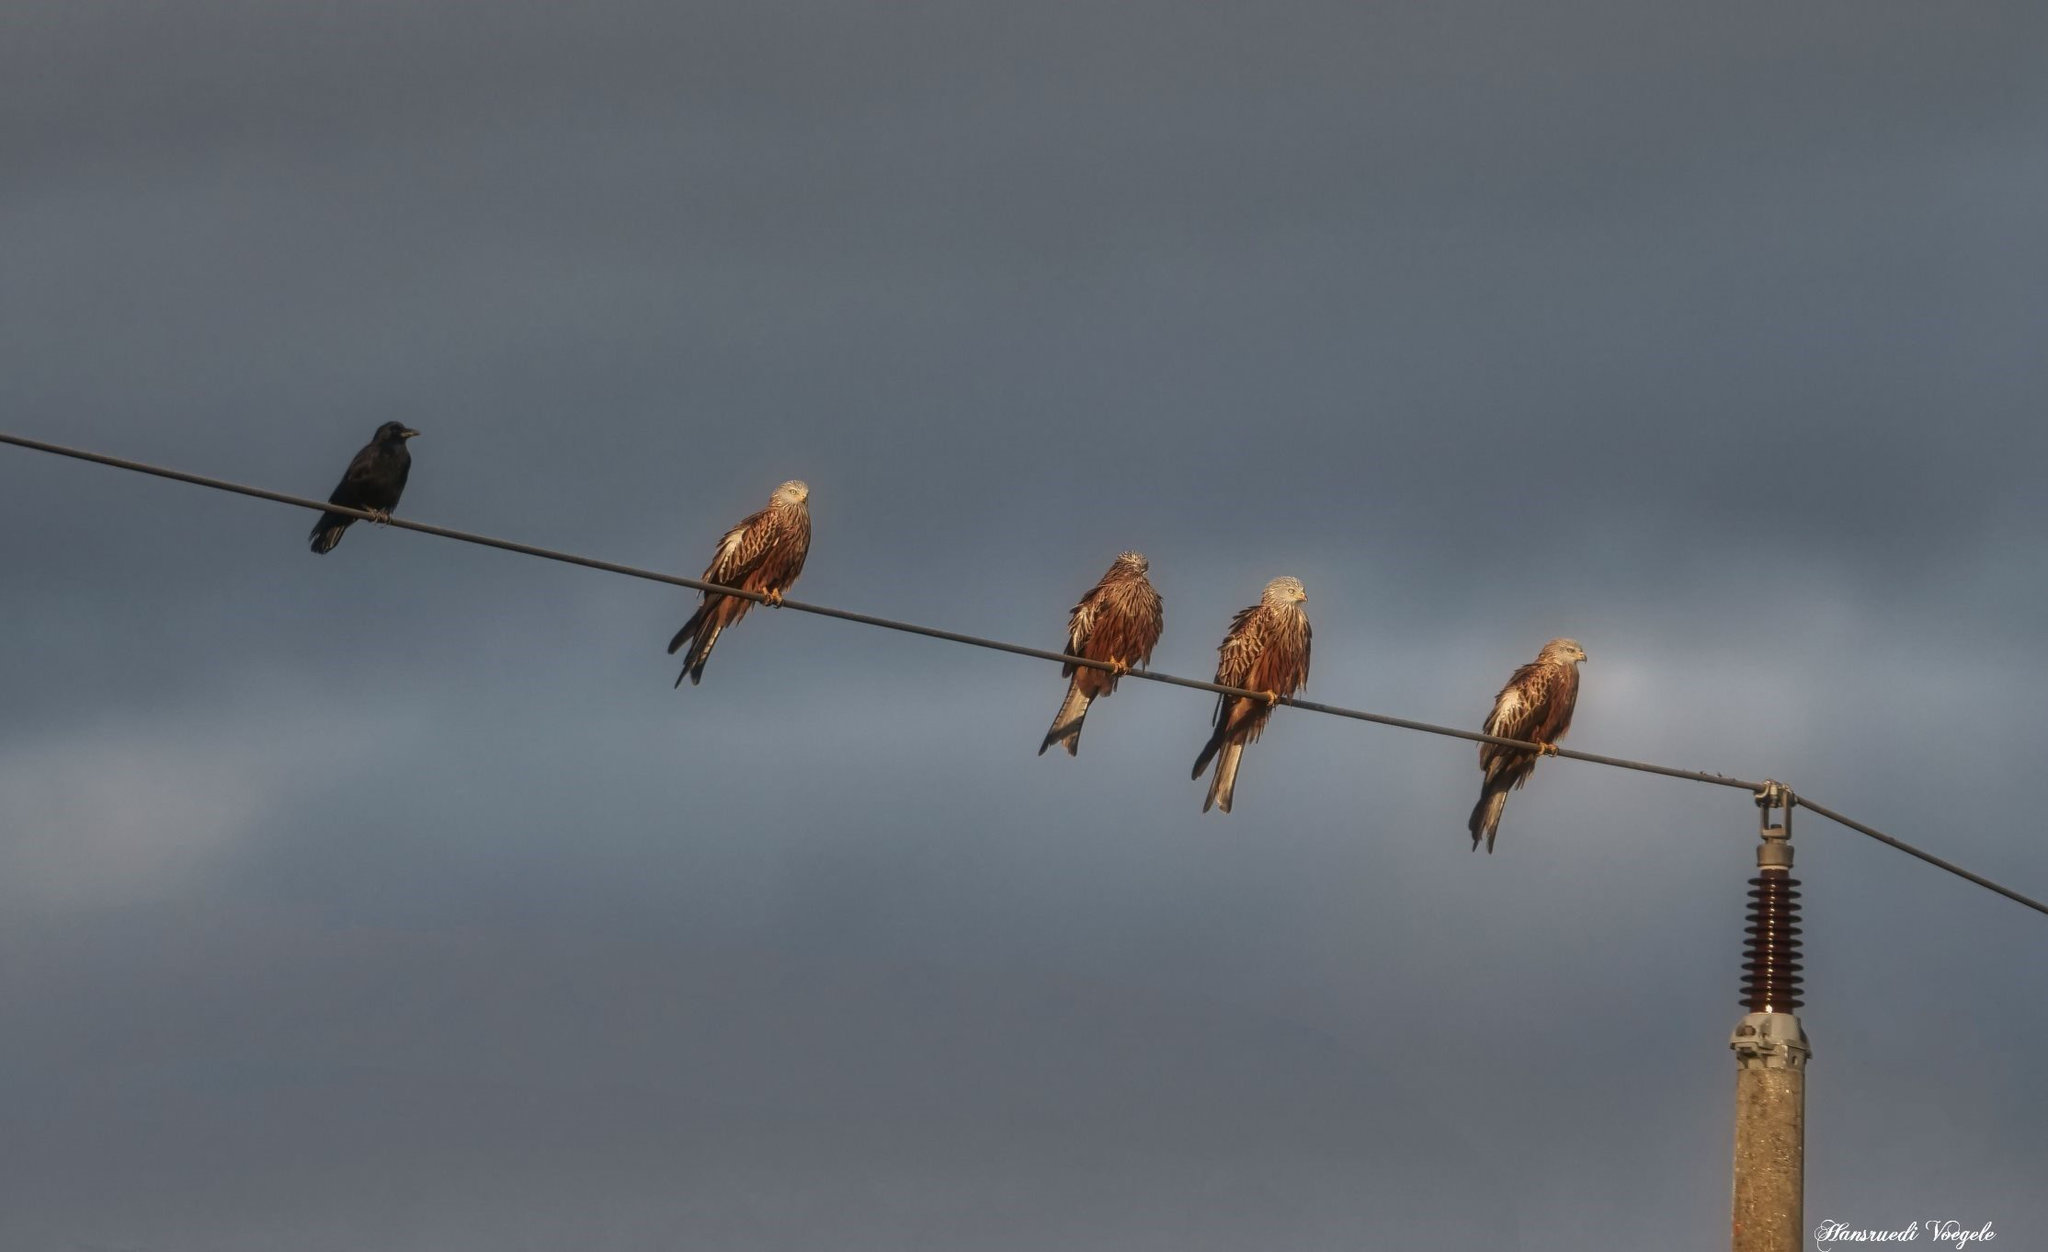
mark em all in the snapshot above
pixel 1771 979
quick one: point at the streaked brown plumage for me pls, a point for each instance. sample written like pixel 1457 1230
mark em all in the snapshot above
pixel 1118 621
pixel 764 553
pixel 1535 706
pixel 1266 650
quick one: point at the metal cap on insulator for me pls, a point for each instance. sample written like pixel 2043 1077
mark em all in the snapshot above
pixel 1775 850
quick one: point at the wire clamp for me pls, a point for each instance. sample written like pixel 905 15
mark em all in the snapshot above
pixel 1775 852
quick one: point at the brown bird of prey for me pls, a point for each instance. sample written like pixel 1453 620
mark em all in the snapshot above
pixel 1118 621
pixel 764 553
pixel 1535 706
pixel 1266 650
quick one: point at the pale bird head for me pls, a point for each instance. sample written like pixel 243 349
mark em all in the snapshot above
pixel 795 491
pixel 1133 561
pixel 1284 592
pixel 1564 650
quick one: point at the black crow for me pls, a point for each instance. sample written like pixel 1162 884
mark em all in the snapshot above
pixel 373 483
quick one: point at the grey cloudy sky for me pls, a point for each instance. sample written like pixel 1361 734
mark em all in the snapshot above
pixel 392 900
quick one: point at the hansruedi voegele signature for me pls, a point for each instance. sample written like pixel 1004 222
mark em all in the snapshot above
pixel 1940 1230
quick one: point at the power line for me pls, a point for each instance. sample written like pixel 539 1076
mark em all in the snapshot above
pixel 885 623
pixel 977 641
pixel 1910 850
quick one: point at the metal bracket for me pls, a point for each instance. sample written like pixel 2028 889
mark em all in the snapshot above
pixel 1771 1040
pixel 1775 852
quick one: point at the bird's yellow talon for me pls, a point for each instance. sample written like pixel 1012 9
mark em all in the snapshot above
pixel 1547 749
pixel 1270 697
pixel 774 599
pixel 1119 668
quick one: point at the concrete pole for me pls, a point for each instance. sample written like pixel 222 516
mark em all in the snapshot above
pixel 1769 1205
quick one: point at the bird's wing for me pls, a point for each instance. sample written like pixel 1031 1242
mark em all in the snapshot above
pixel 1240 648
pixel 1143 623
pixel 1081 626
pixel 1237 655
pixel 360 470
pixel 365 463
pixel 740 550
pixel 1519 712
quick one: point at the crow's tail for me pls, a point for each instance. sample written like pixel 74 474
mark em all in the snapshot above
pixel 327 531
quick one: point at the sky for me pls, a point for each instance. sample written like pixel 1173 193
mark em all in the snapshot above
pixel 393 900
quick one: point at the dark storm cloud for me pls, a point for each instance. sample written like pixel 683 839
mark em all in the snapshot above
pixel 394 900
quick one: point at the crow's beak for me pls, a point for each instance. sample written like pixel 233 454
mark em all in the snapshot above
pixel 408 434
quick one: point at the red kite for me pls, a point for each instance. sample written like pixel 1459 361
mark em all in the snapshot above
pixel 1535 706
pixel 1118 621
pixel 1266 651
pixel 764 553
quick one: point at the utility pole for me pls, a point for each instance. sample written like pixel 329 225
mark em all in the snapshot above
pixel 1771 1050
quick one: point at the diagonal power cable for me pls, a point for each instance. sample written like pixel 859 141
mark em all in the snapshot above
pixel 977 641
pixel 1910 850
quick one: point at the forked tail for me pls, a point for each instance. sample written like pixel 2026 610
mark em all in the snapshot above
pixel 700 632
pixel 1224 783
pixel 1485 820
pixel 1066 728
